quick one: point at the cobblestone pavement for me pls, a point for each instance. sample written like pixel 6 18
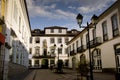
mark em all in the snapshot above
pixel 46 74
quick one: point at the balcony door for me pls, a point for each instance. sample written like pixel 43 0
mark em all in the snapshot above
pixel 117 55
pixel 97 63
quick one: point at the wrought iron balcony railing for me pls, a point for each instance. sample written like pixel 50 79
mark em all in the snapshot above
pixel 44 56
pixel 95 42
pixel 72 53
pixel 36 55
pixel 81 49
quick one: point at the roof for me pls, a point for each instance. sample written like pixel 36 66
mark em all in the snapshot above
pixel 55 27
pixel 38 32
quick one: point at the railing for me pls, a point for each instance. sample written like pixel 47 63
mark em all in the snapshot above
pixel 36 55
pixel 95 42
pixel 48 56
pixel 43 56
pixel 81 49
pixel 72 52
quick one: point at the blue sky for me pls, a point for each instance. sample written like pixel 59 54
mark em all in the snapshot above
pixel 45 13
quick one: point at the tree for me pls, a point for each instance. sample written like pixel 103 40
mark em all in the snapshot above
pixel 83 69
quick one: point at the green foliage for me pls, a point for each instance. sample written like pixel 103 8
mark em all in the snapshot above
pixel 83 68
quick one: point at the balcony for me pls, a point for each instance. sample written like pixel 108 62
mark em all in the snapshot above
pixel 43 56
pixel 47 56
pixel 36 55
pixel 81 49
pixel 95 42
pixel 72 53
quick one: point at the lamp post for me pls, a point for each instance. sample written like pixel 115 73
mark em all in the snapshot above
pixel 58 57
pixel 94 20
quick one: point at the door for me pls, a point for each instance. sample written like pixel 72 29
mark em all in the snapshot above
pixel 45 64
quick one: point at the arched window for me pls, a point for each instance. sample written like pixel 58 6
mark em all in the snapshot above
pixel 82 59
pixel 97 63
pixel 117 56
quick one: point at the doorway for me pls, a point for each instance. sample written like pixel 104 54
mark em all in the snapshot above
pixel 97 63
pixel 44 64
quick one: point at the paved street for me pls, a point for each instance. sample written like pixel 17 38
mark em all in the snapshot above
pixel 46 74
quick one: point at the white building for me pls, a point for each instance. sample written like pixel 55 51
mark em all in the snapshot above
pixel 104 42
pixel 46 44
pixel 17 34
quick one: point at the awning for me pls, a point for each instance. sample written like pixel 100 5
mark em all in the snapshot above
pixel 2 38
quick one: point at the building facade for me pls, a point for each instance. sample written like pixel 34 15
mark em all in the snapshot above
pixel 104 42
pixel 16 29
pixel 49 45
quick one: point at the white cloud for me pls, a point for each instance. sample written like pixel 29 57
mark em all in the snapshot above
pixel 71 7
pixel 46 11
pixel 51 11
pixel 90 6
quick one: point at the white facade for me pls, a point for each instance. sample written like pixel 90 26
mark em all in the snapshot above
pixel 47 37
pixel 105 50
pixel 17 34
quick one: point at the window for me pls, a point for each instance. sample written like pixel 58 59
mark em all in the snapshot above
pixel 52 40
pixel 37 31
pixel 66 40
pixel 30 62
pixel 76 44
pixel 15 11
pixel 52 30
pixel 66 50
pixel 97 63
pixel 19 24
pixel 30 50
pixel 30 39
pixel 37 40
pixel 115 25
pixel 117 55
pixel 59 50
pixel 36 62
pixel 37 50
pixel 105 34
pixel 59 40
pixel 60 30
pixel 52 50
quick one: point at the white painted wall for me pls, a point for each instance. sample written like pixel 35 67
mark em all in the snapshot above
pixel 22 35
pixel 107 48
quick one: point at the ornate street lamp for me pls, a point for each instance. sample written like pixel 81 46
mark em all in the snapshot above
pixel 79 19
pixel 58 63
pixel 94 21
